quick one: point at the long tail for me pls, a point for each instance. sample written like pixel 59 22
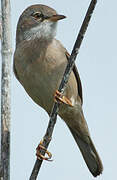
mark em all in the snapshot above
pixel 89 153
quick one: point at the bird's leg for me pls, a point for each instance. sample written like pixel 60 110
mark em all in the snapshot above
pixel 61 98
pixel 39 155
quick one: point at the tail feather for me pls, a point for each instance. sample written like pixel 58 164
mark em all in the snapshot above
pixel 89 153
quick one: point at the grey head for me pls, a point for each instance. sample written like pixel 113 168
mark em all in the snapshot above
pixel 37 21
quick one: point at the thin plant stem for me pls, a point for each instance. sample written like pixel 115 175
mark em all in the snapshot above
pixel 55 109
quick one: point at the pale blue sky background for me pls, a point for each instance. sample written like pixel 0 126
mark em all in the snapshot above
pixel 97 64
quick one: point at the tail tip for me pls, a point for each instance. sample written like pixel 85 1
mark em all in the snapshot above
pixel 98 172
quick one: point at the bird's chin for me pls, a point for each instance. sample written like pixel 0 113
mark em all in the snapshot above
pixel 45 30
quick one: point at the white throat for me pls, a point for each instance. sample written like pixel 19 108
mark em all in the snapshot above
pixel 46 30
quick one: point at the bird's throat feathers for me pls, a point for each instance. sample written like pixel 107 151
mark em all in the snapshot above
pixel 45 30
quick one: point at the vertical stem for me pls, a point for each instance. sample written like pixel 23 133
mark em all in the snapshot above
pixel 5 90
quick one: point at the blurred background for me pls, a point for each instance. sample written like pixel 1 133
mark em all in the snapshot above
pixel 97 65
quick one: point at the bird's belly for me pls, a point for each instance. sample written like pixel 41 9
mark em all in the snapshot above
pixel 41 85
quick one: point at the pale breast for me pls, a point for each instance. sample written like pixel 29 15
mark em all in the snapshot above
pixel 40 72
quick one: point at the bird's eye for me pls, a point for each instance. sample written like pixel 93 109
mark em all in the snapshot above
pixel 37 15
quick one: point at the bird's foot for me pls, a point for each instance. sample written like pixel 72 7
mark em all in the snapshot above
pixel 39 155
pixel 61 98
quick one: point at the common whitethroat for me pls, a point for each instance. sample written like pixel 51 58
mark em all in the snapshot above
pixel 39 64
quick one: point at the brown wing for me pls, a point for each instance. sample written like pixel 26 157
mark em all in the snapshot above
pixel 77 78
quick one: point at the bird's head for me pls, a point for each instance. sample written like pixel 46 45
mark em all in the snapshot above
pixel 37 21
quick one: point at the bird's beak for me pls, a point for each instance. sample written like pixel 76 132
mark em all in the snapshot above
pixel 56 17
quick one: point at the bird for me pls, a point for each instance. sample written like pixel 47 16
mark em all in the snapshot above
pixel 39 64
